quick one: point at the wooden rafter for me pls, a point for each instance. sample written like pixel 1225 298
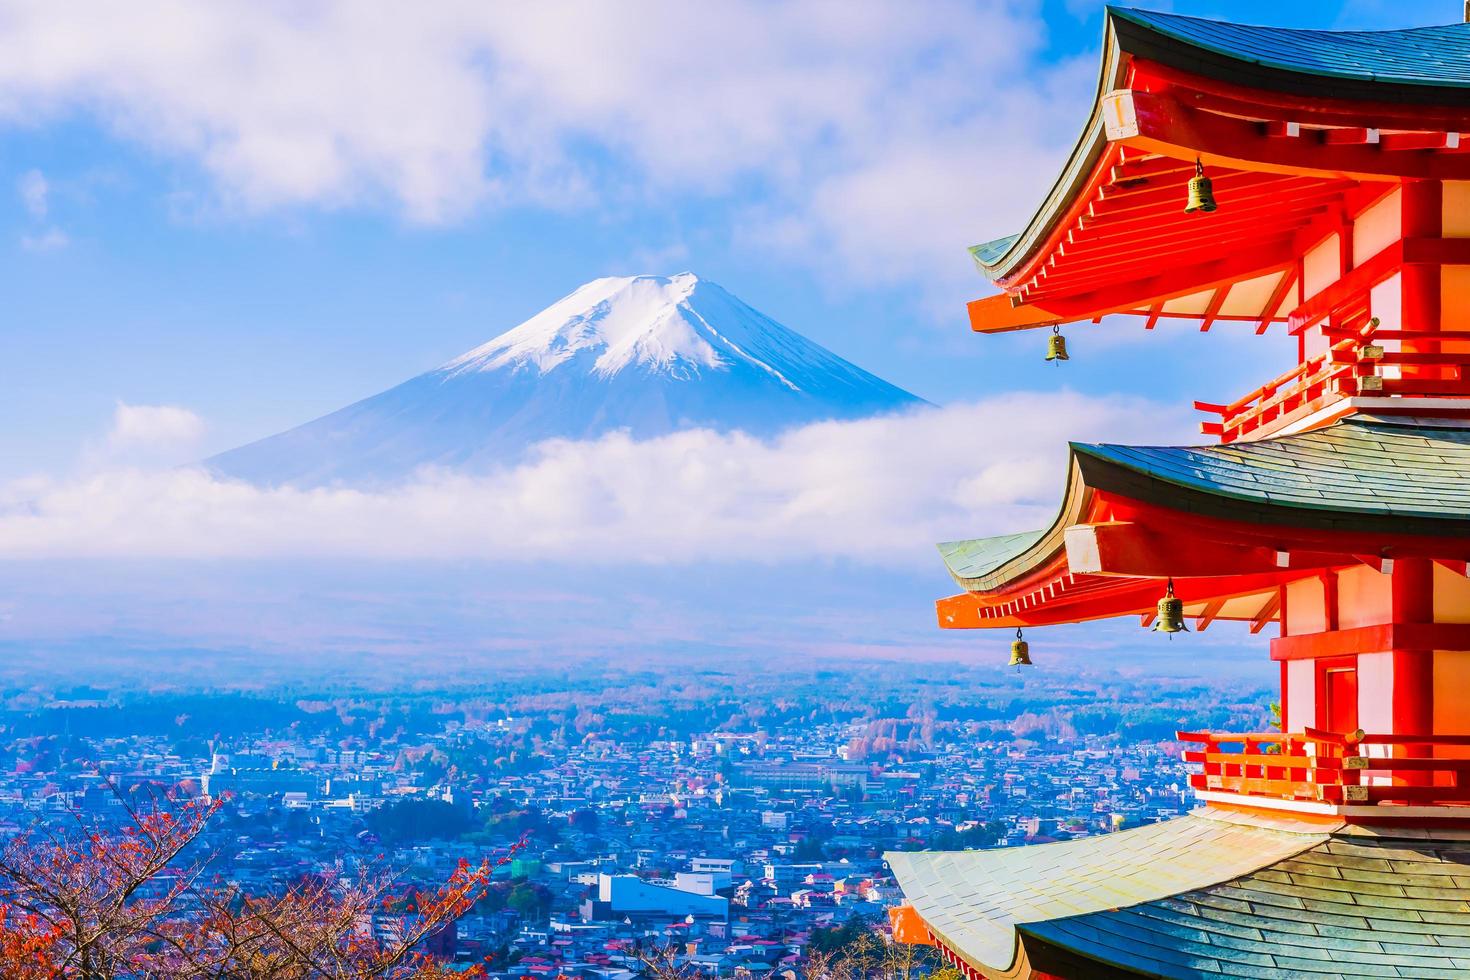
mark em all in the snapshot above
pixel 1213 309
pixel 1278 296
pixel 1160 123
pixel 1212 610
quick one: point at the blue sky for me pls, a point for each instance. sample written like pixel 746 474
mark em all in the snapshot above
pixel 259 298
pixel 253 214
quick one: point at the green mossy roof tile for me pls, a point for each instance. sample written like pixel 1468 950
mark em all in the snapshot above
pixel 1430 56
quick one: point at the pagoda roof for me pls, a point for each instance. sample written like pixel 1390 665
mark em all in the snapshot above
pixel 1362 472
pixel 1293 126
pixel 1397 475
pixel 1230 523
pixel 1186 899
pixel 1435 57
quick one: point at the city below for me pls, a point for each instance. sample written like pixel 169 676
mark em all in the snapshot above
pixel 733 820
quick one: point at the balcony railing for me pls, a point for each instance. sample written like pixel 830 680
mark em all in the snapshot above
pixel 1314 766
pixel 1352 366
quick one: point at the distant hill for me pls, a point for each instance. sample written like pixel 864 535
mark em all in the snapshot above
pixel 646 354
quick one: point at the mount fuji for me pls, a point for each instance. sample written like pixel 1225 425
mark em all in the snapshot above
pixel 646 354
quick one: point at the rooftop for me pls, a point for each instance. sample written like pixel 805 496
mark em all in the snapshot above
pixel 1209 895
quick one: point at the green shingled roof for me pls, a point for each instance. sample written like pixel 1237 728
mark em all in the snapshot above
pixel 1359 467
pixel 987 252
pixel 978 556
pixel 1434 56
pixel 1391 475
pixel 973 900
pixel 1348 907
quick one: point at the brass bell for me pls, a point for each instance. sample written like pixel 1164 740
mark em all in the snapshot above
pixel 1171 613
pixel 1201 193
pixel 1020 651
pixel 1056 345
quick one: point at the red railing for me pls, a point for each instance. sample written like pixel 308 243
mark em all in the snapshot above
pixel 1329 767
pixel 1352 366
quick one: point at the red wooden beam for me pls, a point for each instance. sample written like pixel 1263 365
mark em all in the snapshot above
pixel 1226 233
pixel 1267 612
pixel 1372 639
pixel 1229 185
pixel 1349 136
pixel 1213 309
pixel 1278 296
pixel 1260 200
pixel 998 314
pixel 1100 267
pixel 1136 551
pixel 1359 281
pixel 1089 278
pixel 1246 102
pixel 1207 617
pixel 1173 283
pixel 1178 178
pixel 1148 169
pixel 1314 195
pixel 1419 141
pixel 1158 123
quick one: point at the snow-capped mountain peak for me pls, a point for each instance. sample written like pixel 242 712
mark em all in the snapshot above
pixel 651 323
pixel 647 355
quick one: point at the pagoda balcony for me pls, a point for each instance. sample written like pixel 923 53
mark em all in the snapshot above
pixel 1355 776
pixel 1357 372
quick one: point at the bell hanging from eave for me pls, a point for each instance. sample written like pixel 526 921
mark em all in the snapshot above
pixel 1056 345
pixel 1171 613
pixel 1201 192
pixel 1020 651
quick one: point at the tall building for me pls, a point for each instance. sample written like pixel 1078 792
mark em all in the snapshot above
pixel 1250 178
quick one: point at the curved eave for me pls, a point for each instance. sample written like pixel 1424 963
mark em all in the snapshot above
pixel 1229 524
pixel 996 259
pixel 1132 34
pixel 1361 475
pixel 1014 558
pixel 974 902
pixel 1420 65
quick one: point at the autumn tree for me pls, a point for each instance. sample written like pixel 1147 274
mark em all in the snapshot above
pixel 95 902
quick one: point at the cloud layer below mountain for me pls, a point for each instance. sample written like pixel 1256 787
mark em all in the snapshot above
pixel 877 491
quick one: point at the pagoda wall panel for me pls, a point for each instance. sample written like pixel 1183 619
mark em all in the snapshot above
pixel 1301 694
pixel 1321 266
pixel 1454 292
pixel 1451 705
pixel 1455 209
pixel 1304 607
pixel 1375 692
pixel 1451 598
pixel 1364 597
pixel 1377 228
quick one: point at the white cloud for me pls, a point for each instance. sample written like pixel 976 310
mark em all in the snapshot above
pixel 879 490
pixel 33 190
pixel 154 425
pixel 881 132
pixel 48 240
pixel 146 435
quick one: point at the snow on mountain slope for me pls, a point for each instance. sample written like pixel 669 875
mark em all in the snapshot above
pixel 646 354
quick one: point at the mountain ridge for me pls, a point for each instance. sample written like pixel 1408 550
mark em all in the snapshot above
pixel 645 354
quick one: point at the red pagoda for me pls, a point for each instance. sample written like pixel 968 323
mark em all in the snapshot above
pixel 1316 183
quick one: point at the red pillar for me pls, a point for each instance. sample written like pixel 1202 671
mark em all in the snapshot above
pixel 1412 708
pixel 1422 217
